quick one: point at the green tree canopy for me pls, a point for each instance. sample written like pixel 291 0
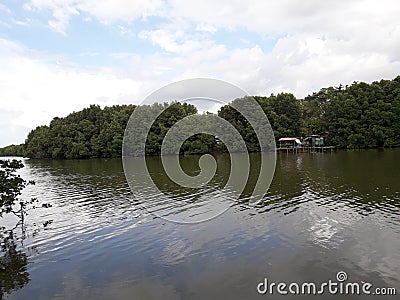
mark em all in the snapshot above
pixel 360 115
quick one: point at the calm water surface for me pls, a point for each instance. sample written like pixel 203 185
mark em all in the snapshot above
pixel 324 213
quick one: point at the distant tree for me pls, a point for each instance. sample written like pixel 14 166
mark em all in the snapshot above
pixel 359 115
pixel 91 132
pixel 13 150
pixel 283 112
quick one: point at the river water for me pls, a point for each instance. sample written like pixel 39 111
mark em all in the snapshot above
pixel 324 213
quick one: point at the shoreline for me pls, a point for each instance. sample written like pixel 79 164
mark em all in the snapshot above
pixel 330 149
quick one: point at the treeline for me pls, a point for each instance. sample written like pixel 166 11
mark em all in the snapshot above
pixel 357 116
pixel 168 115
pixel 284 113
pixel 92 132
pixel 13 150
pixel 95 132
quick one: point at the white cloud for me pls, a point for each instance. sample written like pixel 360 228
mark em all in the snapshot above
pixel 62 11
pixel 106 11
pixel 163 38
pixel 179 42
pixel 341 19
pixel 4 9
pixel 318 44
pixel 109 11
pixel 206 28
pixel 36 89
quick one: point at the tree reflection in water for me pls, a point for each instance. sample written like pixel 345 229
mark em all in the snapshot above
pixel 13 264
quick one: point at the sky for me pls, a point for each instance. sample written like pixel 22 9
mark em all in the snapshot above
pixel 59 56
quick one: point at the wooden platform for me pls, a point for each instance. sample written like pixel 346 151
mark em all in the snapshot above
pixel 306 149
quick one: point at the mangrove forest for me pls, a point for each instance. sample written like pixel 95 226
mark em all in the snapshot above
pixel 359 115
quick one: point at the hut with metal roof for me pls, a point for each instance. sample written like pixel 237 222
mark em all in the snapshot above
pixel 289 142
pixel 314 140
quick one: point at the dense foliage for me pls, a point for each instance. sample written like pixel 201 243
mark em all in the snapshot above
pixel 357 116
pixel 12 150
pixel 283 112
pixel 92 132
pixel 165 116
pixel 200 143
